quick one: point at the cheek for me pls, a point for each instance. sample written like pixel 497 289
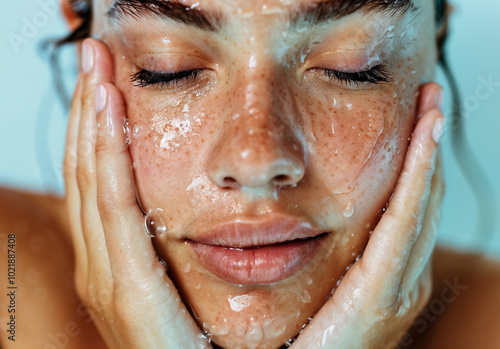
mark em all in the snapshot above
pixel 346 130
pixel 165 141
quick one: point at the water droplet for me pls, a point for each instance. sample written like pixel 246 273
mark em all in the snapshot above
pixel 309 281
pixel 198 286
pixel 349 210
pixel 162 262
pixel 305 297
pixel 187 268
pixel 254 331
pixel 154 225
pixel 339 280
pixel 137 130
pixel 336 103
pixel 238 303
pixel 126 130
pixel 314 138
pixel 207 332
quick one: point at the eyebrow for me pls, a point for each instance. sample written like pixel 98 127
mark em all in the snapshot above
pixel 312 13
pixel 166 9
pixel 322 11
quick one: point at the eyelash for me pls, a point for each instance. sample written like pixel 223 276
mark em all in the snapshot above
pixel 375 75
pixel 145 78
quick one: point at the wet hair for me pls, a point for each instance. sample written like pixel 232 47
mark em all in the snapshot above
pixel 472 170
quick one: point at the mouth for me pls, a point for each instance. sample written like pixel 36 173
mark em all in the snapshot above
pixel 249 253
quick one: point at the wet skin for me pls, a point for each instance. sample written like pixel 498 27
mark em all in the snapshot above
pixel 262 108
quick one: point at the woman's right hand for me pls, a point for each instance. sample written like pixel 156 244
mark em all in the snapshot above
pixel 117 273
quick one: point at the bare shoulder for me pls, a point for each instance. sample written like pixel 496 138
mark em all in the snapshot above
pixel 464 310
pixel 45 308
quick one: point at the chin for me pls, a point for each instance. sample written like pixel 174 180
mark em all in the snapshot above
pixel 263 315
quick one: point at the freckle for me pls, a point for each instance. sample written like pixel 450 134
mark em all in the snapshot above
pixel 383 157
pixel 371 177
pixel 381 171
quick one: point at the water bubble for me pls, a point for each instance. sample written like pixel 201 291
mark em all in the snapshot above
pixel 154 225
pixel 349 210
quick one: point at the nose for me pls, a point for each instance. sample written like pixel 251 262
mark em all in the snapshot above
pixel 257 149
pixel 255 159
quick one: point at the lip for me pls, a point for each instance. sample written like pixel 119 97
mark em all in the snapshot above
pixel 248 252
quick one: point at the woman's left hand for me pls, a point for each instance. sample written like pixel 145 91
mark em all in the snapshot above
pixel 383 292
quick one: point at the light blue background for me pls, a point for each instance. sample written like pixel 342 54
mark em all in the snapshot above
pixel 33 124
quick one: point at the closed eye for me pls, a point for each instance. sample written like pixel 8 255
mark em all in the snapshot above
pixel 163 80
pixel 375 75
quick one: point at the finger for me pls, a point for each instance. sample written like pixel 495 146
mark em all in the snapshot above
pixel 121 217
pixel 72 196
pixel 392 240
pixel 424 245
pixel 97 67
pixel 430 97
pixel 132 257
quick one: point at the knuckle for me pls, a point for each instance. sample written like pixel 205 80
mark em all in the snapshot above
pixel 88 95
pixel 84 178
pixel 69 169
pixel 102 146
pixel 106 203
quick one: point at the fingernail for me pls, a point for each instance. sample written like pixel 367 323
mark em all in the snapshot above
pixel 87 57
pixel 101 98
pixel 437 130
pixel 438 99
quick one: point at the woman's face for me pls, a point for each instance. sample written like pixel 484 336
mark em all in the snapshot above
pixel 289 111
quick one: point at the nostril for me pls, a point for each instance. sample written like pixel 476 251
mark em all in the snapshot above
pixel 282 178
pixel 229 182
